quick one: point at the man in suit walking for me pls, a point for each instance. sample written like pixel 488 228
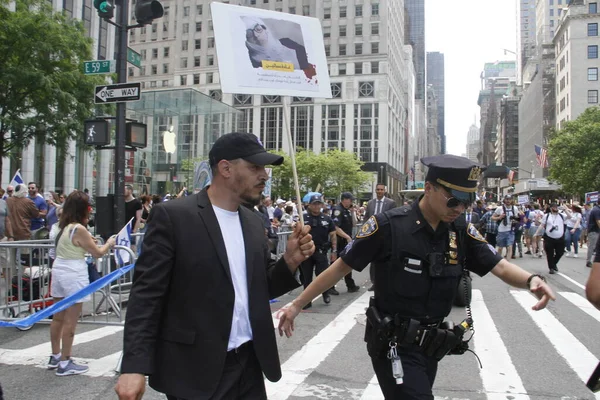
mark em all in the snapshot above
pixel 199 322
pixel 376 206
pixel 471 217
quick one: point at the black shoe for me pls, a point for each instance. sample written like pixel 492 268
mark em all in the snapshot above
pixel 528 252
pixel 326 298
pixel 306 307
pixel 353 289
pixel 333 292
pixel 371 288
pixel 588 264
pixel 521 255
pixel 552 271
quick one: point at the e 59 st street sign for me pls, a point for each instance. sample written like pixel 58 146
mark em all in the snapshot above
pixel 99 67
pixel 117 93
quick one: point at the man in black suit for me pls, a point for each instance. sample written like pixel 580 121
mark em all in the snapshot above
pixel 376 206
pixel 471 217
pixel 199 322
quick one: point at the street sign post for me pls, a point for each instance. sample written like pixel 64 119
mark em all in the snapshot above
pixel 117 93
pixel 134 58
pixel 99 67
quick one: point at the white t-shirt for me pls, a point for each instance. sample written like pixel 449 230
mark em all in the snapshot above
pixel 536 217
pixel 575 216
pixel 551 220
pixel 231 229
pixel 510 211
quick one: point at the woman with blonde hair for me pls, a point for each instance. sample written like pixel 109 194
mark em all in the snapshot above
pixel 70 275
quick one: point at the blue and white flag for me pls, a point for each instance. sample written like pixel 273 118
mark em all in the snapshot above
pixel 123 238
pixel 17 179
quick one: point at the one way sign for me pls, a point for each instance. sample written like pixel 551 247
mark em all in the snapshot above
pixel 117 93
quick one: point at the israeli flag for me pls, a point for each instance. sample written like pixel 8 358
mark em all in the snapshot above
pixel 17 179
pixel 123 238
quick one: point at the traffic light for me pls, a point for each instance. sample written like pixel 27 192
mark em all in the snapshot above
pixel 148 10
pixel 106 8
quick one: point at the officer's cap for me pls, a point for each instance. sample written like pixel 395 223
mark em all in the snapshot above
pixel 458 175
pixel 315 198
pixel 347 195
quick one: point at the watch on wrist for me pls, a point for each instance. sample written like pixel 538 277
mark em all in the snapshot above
pixel 533 276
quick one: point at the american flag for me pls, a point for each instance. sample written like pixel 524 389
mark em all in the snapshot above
pixel 541 155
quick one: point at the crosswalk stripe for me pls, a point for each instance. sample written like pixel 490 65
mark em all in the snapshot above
pixel 579 358
pixel 301 364
pixel 372 391
pixel 573 281
pixel 582 303
pixel 499 375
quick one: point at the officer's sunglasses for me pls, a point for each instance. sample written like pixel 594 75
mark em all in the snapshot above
pixel 453 202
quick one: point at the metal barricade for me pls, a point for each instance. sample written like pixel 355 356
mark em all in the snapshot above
pixel 282 242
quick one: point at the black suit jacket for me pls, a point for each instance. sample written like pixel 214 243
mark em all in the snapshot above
pixel 181 303
pixel 388 204
pixel 474 218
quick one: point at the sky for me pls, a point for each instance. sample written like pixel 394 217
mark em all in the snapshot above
pixel 469 33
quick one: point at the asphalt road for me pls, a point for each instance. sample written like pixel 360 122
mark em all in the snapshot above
pixel 525 354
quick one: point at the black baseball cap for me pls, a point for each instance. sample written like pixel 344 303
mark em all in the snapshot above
pixel 316 198
pixel 232 146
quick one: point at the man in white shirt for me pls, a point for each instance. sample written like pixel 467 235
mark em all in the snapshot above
pixel 506 214
pixel 554 238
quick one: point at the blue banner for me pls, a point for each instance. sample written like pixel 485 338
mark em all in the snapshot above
pixel 67 301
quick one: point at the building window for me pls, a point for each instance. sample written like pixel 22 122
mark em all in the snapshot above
pixel 143 70
pixel 336 90
pixel 153 84
pixel 199 9
pixel 593 29
pixel 242 99
pixel 186 11
pixel 215 94
pixel 292 10
pixel 342 69
pixel 366 89
pixel 154 53
pixel 210 60
pixel 306 10
pixel 343 30
pixel 366 127
pixel 552 12
pixel 592 74
pixel 592 97
pixel 301 121
pixel 197 44
pixel 185 28
pixel 210 77
pixel 358 48
pixel 196 79
pixel 184 45
pixel 211 42
pixel 271 127
pixel 198 26
pixel 326 31
pixel 358 10
pixel 375 48
pixel 593 8
pixel 154 28
pixel 375 9
pixel 210 25
pixel 374 67
pixel 342 49
pixel 165 83
pixel 375 29
pixel 333 126
pixel 197 61
pixel 130 71
pixel 327 13
pixel 166 52
pixel 358 30
pixel 358 68
pixel 143 54
pixel 165 68
pixel 593 51
pixel 343 11
pixel 153 69
pixel 327 50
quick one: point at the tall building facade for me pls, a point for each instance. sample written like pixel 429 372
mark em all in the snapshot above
pixel 547 17
pixel 370 67
pixel 576 45
pixel 526 34
pixel 73 169
pixel 435 77
pixel 433 145
pixel 415 34
pixel 473 148
pixel 507 143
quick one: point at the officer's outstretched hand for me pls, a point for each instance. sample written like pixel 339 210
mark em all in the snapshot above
pixel 299 245
pixel 286 319
pixel 543 292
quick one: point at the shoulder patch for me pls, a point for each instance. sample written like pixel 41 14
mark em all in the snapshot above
pixel 474 233
pixel 336 212
pixel 368 228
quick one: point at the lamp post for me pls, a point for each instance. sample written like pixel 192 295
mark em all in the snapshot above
pixel 169 143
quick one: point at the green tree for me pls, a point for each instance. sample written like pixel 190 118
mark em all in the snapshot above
pixel 43 91
pixel 574 153
pixel 334 171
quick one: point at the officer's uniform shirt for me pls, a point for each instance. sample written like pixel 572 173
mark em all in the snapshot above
pixel 373 243
pixel 320 227
pixel 342 217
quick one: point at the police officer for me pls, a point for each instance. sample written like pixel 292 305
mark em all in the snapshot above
pixel 420 253
pixel 322 230
pixel 344 221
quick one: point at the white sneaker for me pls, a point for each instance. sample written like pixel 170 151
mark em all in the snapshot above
pixel 568 254
pixel 575 255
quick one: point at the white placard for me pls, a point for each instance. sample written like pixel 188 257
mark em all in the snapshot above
pixel 523 199
pixel 270 53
